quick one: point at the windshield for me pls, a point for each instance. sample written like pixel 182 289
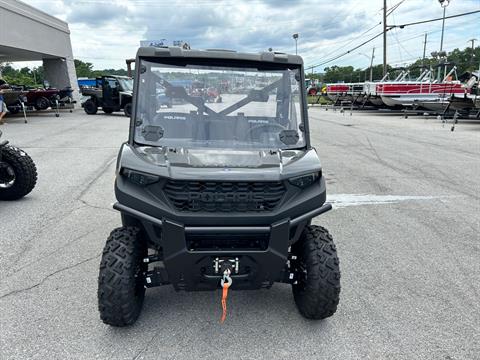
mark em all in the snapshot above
pixel 126 84
pixel 202 106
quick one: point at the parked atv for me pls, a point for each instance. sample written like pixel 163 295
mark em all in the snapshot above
pixel 111 93
pixel 18 174
pixel 219 199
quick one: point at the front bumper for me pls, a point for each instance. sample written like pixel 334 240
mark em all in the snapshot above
pixel 189 266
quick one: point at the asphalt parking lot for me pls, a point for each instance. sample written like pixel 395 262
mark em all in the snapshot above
pixel 406 223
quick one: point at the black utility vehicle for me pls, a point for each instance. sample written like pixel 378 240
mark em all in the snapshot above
pixel 18 174
pixel 111 93
pixel 219 193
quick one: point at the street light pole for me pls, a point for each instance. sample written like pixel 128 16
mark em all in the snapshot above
pixel 443 4
pixel 295 37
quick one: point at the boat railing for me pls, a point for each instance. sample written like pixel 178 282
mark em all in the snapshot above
pixel 399 76
pixel 425 75
pixel 454 70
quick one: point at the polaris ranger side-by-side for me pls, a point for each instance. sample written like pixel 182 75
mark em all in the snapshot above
pixel 218 195
pixel 111 93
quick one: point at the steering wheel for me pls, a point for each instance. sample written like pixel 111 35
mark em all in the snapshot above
pixel 248 135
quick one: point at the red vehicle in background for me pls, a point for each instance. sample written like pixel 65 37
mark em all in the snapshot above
pixel 210 94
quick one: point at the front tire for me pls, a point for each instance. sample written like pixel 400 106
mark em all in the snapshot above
pixel 18 173
pixel 120 283
pixel 128 109
pixel 317 272
pixel 90 107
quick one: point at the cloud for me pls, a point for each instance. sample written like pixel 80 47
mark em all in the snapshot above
pixel 97 15
pixel 106 32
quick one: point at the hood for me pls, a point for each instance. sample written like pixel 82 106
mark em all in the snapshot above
pixel 228 165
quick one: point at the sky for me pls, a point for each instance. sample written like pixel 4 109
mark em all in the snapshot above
pixel 106 32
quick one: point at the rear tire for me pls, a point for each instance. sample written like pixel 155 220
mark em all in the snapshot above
pixel 120 283
pixel 90 107
pixel 317 274
pixel 18 173
pixel 128 109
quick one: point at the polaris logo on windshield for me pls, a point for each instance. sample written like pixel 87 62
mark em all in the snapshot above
pixel 258 121
pixel 174 117
pixel 216 197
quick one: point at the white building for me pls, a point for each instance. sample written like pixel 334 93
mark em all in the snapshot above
pixel 28 34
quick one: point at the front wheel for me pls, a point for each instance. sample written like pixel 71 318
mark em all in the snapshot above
pixel 90 107
pixel 18 173
pixel 128 109
pixel 316 267
pixel 120 283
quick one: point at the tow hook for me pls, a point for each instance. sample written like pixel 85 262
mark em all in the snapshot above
pixel 226 282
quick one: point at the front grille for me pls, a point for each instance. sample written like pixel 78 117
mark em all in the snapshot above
pixel 225 242
pixel 209 196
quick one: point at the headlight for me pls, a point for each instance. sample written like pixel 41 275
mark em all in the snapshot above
pixel 305 181
pixel 139 178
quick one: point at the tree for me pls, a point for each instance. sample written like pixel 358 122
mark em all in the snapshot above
pixel 35 76
pixel 83 69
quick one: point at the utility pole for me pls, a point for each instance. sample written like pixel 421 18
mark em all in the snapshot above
pixel 473 47
pixel 384 37
pixel 424 49
pixel 371 64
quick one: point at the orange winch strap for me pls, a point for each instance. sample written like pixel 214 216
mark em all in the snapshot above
pixel 224 301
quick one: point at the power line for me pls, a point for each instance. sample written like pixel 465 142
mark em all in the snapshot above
pixel 347 52
pixel 394 7
pixel 432 20
pixel 389 28
pixel 390 11
pixel 352 40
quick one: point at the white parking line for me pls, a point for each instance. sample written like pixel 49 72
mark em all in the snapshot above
pixel 344 200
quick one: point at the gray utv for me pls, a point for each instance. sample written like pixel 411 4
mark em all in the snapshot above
pixel 222 192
